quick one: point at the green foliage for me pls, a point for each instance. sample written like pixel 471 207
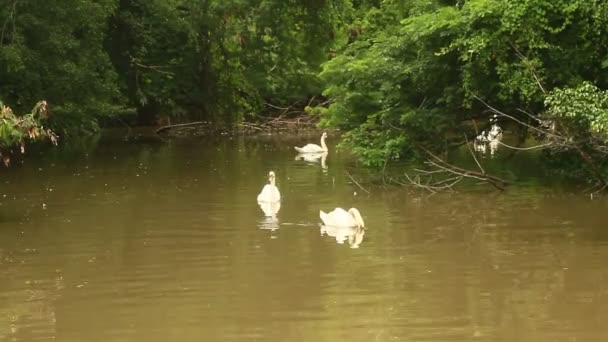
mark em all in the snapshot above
pixel 54 50
pixel 401 76
pixel 16 130
pixel 411 77
pixel 582 110
pixel 213 59
pixel 578 129
pixel 220 60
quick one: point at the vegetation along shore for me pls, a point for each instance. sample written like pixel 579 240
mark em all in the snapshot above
pixel 402 81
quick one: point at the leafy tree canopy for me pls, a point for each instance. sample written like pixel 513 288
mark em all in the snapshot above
pixel 412 77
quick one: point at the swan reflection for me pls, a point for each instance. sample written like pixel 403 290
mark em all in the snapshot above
pixel 270 209
pixel 354 235
pixel 314 158
pixel 269 223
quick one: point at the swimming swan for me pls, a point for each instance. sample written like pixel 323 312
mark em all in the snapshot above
pixel 314 148
pixel 342 218
pixel 270 192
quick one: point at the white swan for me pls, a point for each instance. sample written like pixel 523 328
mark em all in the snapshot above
pixel 342 218
pixel 270 192
pixel 314 148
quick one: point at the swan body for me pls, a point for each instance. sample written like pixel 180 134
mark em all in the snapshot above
pixel 314 148
pixel 342 218
pixel 270 192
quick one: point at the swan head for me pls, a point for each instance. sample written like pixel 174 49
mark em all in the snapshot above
pixel 357 216
pixel 324 135
pixel 271 176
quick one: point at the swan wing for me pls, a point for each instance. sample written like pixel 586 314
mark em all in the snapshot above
pixel 264 194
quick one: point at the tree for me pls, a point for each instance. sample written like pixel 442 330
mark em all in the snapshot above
pixel 221 60
pixel 411 82
pixel 55 50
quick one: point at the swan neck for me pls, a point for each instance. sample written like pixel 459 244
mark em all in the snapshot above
pixel 355 214
pixel 323 146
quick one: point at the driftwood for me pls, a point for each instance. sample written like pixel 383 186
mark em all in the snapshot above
pixel 261 125
pixel 178 126
pixel 271 118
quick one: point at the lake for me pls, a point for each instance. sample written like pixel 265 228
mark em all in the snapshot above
pixel 150 240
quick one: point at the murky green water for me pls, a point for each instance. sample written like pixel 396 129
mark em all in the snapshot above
pixel 158 241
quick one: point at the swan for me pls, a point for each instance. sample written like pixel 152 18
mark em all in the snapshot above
pixel 342 218
pixel 270 192
pixel 314 148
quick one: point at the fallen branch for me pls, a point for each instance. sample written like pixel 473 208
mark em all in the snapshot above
pixel 189 124
pixel 354 181
pixel 526 148
pixel 435 187
pixel 443 175
pixel 496 111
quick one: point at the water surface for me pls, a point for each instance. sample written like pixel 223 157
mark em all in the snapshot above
pixel 164 241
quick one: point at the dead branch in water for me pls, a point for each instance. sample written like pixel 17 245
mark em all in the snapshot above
pixel 557 138
pixel 443 176
pixel 184 125
pixel 354 181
